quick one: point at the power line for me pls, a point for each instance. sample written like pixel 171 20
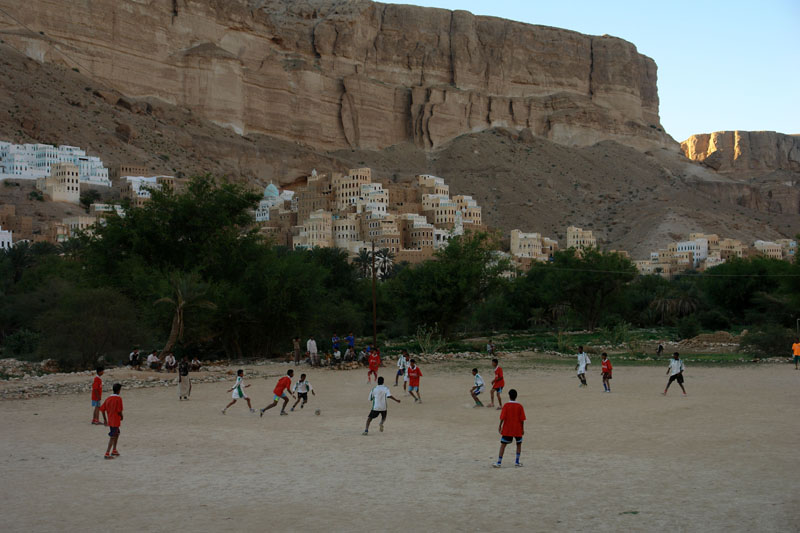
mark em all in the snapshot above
pixel 698 275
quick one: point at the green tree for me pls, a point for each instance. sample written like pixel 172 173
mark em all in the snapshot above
pixel 188 292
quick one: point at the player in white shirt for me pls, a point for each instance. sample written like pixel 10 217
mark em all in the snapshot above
pixel 675 372
pixel 583 362
pixel 477 388
pixel 402 369
pixel 238 392
pixel 302 389
pixel 377 397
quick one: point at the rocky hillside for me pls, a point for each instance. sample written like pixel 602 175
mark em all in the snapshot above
pixel 745 153
pixel 357 74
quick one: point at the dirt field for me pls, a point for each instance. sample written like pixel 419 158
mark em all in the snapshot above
pixel 723 458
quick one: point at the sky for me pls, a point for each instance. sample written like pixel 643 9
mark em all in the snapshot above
pixel 722 65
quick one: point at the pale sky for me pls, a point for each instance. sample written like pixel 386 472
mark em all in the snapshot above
pixel 722 65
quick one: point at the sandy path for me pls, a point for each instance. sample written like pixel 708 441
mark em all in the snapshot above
pixel 722 458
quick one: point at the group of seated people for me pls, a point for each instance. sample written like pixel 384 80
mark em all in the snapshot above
pixel 154 362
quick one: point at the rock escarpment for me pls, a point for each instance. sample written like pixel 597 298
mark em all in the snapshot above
pixel 746 153
pixel 352 74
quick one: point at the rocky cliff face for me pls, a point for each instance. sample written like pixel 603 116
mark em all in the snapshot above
pixel 746 153
pixel 355 74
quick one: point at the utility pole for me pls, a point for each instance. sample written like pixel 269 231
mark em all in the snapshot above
pixel 374 301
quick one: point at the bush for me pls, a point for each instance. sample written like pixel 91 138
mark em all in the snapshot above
pixel 714 320
pixel 688 327
pixel 21 342
pixel 769 340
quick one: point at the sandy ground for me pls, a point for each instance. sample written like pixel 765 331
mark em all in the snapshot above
pixel 723 458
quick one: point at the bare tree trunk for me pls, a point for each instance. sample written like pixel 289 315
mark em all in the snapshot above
pixel 174 331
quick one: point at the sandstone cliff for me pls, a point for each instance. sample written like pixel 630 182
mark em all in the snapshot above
pixel 357 74
pixel 744 153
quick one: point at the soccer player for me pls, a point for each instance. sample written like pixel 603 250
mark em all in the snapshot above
pixel 605 369
pixel 675 372
pixel 301 388
pixel 477 388
pixel 512 426
pixel 112 406
pixel 414 373
pixel 796 352
pixel 497 384
pixel 97 394
pixel 284 385
pixel 378 397
pixel 402 367
pixel 238 392
pixel 583 362
pixel 373 362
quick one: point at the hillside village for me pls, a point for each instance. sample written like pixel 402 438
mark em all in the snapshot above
pixel 354 211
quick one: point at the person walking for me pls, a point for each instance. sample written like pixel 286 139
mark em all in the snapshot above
pixel 184 383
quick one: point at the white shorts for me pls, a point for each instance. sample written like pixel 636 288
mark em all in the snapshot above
pixel 581 370
pixel 405 377
pixel 238 393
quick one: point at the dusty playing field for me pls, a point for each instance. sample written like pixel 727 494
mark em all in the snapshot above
pixel 723 458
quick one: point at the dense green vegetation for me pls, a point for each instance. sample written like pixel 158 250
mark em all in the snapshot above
pixel 188 272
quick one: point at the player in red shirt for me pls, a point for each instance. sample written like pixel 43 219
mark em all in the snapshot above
pixel 97 395
pixel 605 369
pixel 497 384
pixel 374 362
pixel 414 373
pixel 113 406
pixel 284 385
pixel 512 426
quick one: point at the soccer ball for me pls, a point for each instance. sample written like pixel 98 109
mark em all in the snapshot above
pixel 317 412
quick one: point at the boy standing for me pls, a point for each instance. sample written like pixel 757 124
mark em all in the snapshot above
pixel 497 384
pixel 284 385
pixel 583 362
pixel 97 395
pixel 477 388
pixel 512 426
pixel 605 369
pixel 402 366
pixel 378 397
pixel 112 406
pixel 311 348
pixel 374 362
pixel 238 392
pixel 301 388
pixel 414 373
pixel 675 372
pixel 796 353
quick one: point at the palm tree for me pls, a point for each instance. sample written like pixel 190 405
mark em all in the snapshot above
pixel 385 261
pixel 188 291
pixel 71 248
pixel 363 261
pixel 21 258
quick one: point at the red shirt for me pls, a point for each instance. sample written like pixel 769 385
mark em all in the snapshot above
pixel 605 365
pixel 283 384
pixel 97 389
pixel 113 406
pixel 512 416
pixel 498 378
pixel 374 361
pixel 413 376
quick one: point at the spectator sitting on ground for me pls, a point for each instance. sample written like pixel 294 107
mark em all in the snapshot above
pixel 153 362
pixel 349 355
pixel 195 365
pixel 169 362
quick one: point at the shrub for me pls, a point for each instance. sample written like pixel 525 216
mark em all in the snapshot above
pixel 769 340
pixel 688 327
pixel 23 341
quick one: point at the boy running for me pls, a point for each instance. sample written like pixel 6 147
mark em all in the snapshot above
pixel 414 373
pixel 378 397
pixel 238 392
pixel 373 362
pixel 497 384
pixel 477 388
pixel 512 426
pixel 583 362
pixel 112 406
pixel 301 388
pixel 675 372
pixel 97 395
pixel 402 368
pixel 605 369
pixel 284 385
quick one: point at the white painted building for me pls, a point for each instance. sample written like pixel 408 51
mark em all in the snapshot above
pixel 697 247
pixel 6 241
pixel 31 161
